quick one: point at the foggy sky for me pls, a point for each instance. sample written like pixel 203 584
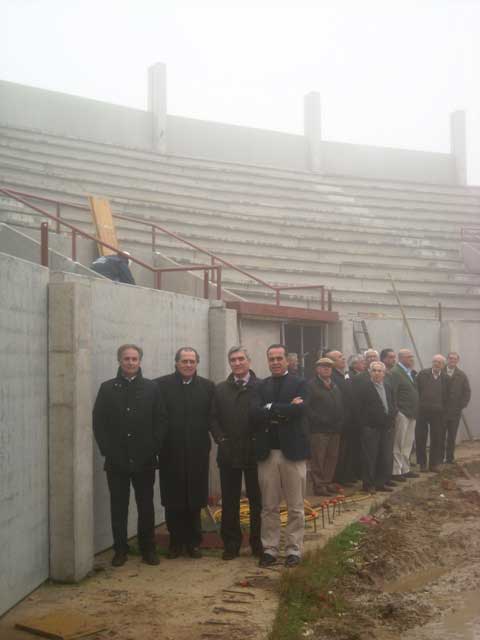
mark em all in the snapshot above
pixel 389 73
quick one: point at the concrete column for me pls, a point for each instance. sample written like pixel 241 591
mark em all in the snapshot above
pixel 70 437
pixel 312 130
pixel 157 105
pixel 223 334
pixel 458 144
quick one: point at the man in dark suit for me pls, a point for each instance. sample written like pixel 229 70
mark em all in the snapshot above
pixel 282 449
pixel 458 398
pixel 129 425
pixel 184 456
pixel 236 458
pixel 375 412
pixel 433 386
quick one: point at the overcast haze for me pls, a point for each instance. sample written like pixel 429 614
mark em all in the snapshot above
pixel 389 73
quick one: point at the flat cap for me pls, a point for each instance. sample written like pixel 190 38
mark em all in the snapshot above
pixel 324 362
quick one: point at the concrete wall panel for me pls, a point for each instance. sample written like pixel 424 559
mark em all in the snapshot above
pixel 257 336
pixel 159 322
pixel 23 430
pixel 67 115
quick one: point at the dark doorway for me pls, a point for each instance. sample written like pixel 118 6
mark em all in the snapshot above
pixel 306 341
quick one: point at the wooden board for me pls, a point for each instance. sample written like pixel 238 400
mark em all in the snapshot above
pixel 62 625
pixel 104 224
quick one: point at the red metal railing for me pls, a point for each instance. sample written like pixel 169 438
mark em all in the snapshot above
pixel 76 231
pixel 214 268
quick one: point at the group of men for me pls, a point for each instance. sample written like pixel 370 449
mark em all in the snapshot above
pixel 365 422
pixel 355 425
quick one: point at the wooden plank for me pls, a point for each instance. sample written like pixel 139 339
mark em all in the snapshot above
pixel 104 224
pixel 274 312
pixel 62 625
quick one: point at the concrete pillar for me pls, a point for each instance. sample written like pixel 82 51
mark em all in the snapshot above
pixel 223 334
pixel 458 144
pixel 70 437
pixel 312 130
pixel 157 105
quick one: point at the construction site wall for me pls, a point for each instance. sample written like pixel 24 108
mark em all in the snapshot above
pixel 23 429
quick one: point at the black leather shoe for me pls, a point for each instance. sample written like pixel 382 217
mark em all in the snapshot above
pixel 229 554
pixel 399 479
pixel 194 552
pixel 267 560
pixel 411 474
pixel 390 483
pixel 292 561
pixel 150 557
pixel 119 559
pixel 384 489
pixel 174 552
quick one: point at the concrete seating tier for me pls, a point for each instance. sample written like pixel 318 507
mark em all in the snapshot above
pixel 343 232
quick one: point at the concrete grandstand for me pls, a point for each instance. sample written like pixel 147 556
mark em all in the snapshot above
pixel 293 211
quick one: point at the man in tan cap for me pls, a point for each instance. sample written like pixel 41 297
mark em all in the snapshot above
pixel 325 415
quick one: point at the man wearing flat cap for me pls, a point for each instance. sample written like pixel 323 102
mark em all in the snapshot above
pixel 324 415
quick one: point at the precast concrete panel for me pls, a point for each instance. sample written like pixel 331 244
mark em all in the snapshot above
pixel 23 430
pixel 159 322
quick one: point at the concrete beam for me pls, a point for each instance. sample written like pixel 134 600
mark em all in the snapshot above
pixel 223 334
pixel 157 105
pixel 458 144
pixel 312 130
pixel 70 438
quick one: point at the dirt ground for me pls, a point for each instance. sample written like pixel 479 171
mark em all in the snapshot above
pixel 422 537
pixel 416 573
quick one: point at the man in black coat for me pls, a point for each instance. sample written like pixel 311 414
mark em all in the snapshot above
pixel 282 449
pixel 458 398
pixel 375 411
pixel 432 386
pixel 129 426
pixel 234 435
pixel 184 457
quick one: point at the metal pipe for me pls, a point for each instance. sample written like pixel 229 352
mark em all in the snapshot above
pixel 205 284
pixel 74 245
pixel 219 282
pixel 57 213
pixel 44 244
pixel 329 300
pixel 158 279
pixel 277 296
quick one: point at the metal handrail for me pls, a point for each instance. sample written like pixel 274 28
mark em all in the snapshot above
pixel 156 227
pixel 76 231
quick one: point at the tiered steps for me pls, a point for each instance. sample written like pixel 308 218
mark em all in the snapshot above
pixel 286 227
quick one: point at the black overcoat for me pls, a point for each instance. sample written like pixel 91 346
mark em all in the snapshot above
pixel 369 409
pixel 230 424
pixel 184 456
pixel 129 423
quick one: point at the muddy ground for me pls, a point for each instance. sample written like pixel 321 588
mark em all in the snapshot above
pixel 421 561
pixel 416 573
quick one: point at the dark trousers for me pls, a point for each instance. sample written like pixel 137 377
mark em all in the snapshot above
pixel 451 429
pixel 436 422
pixel 184 526
pixel 377 455
pixel 324 455
pixel 119 485
pixel 231 532
pixel 348 467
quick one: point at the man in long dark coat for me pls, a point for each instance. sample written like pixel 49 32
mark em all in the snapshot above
pixel 233 432
pixel 184 457
pixel 129 426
